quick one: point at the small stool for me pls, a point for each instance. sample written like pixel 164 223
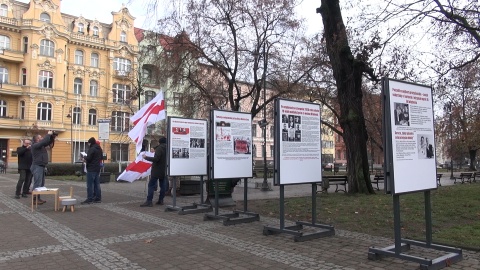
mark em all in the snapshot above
pixel 69 202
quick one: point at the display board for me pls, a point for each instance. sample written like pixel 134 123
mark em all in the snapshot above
pixel 231 143
pixel 410 132
pixel 298 153
pixel 187 146
pixel 103 129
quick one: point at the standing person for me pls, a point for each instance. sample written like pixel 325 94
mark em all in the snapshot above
pixel 39 161
pixel 24 163
pixel 158 173
pixel 93 163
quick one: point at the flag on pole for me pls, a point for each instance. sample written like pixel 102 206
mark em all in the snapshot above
pixel 149 114
pixel 138 169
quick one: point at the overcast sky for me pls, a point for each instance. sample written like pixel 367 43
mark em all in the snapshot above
pixel 101 10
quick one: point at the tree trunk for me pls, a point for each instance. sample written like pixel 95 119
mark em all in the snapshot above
pixel 473 159
pixel 348 76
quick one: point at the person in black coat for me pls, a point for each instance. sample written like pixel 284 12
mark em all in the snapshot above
pixel 158 173
pixel 39 161
pixel 24 163
pixel 93 162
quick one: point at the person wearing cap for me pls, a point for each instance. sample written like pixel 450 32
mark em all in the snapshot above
pixel 158 173
pixel 93 160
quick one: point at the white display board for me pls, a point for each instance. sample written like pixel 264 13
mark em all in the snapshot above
pixel 187 146
pixel 231 144
pixel 103 129
pixel 412 137
pixel 298 156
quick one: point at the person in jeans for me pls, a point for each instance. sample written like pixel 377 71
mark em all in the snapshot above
pixel 24 163
pixel 39 161
pixel 93 160
pixel 158 172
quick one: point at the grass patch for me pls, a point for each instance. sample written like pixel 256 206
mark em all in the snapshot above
pixel 455 213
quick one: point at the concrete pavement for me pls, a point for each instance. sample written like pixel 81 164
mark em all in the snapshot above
pixel 118 234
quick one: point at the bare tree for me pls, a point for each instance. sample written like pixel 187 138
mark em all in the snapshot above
pixel 227 51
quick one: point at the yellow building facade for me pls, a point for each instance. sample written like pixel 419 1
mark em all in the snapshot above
pixel 65 73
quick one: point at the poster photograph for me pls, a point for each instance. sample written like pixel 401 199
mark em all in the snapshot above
pixel 232 144
pixel 298 129
pixel 187 149
pixel 413 140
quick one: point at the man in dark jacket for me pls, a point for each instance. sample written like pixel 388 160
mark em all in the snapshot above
pixel 158 173
pixel 40 160
pixel 93 161
pixel 24 163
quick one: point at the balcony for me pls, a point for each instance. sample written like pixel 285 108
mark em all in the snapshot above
pixel 9 21
pixel 9 55
pixel 11 89
pixel 122 73
pixel 9 122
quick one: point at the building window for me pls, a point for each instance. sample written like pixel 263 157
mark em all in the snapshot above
pixel 120 121
pixel 254 150
pixel 4 42
pixel 81 28
pixel 78 57
pixel 77 115
pixel 122 64
pixel 3 10
pixel 121 93
pixel 93 88
pixel 149 95
pixel 254 130
pixel 24 76
pixel 25 44
pixel 77 86
pixel 44 17
pixel 123 36
pixel 3 75
pixel 44 111
pixel 22 109
pixel 94 60
pixel 95 31
pixel 47 47
pixel 147 74
pixel 177 99
pixel 92 117
pixel 45 79
pixel 271 150
pixel 119 152
pixel 3 108
pixel 272 131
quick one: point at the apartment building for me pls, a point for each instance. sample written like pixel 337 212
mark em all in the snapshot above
pixel 64 73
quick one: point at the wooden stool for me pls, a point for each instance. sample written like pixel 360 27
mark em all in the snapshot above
pixel 69 202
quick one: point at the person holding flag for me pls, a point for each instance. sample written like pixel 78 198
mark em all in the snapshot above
pixel 158 174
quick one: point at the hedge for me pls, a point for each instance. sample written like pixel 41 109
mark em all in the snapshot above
pixel 77 168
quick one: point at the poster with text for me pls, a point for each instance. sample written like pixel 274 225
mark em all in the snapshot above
pixel 299 142
pixel 231 144
pixel 412 140
pixel 187 146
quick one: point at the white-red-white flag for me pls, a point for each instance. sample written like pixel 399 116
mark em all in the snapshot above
pixel 138 169
pixel 149 114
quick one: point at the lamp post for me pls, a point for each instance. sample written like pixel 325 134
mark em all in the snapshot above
pixel 448 109
pixel 70 116
pixel 264 122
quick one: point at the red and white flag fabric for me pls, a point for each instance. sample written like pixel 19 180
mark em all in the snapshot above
pixel 149 114
pixel 138 169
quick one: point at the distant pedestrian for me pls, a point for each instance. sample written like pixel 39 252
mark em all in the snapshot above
pixel 93 161
pixel 40 161
pixel 24 163
pixel 158 173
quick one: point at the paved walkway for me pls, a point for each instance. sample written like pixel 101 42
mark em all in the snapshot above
pixel 118 234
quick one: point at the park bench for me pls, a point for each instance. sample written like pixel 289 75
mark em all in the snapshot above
pixel 463 177
pixel 475 175
pixel 377 179
pixel 337 180
pixel 439 175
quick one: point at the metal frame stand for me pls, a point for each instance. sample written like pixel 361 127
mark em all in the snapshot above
pixel 234 217
pixel 325 230
pixel 188 209
pixel 454 254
